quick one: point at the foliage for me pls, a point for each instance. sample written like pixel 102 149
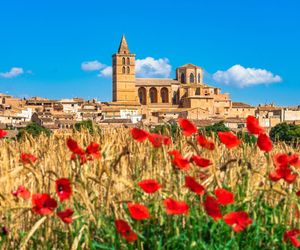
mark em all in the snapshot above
pixel 246 137
pixel 34 130
pixel 289 133
pixel 166 129
pixel 85 125
pixel 217 127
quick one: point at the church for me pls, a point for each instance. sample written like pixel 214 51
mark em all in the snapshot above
pixel 162 98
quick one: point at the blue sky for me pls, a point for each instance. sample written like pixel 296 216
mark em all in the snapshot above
pixel 43 45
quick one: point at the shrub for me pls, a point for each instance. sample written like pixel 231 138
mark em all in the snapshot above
pixel 34 130
pixel 217 127
pixel 88 125
pixel 247 138
pixel 288 133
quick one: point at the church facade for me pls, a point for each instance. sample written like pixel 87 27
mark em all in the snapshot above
pixel 185 95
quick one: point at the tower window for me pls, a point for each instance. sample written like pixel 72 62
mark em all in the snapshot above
pixel 182 78
pixel 123 70
pixel 128 70
pixel 192 78
pixel 128 60
pixel 123 60
pixel 199 78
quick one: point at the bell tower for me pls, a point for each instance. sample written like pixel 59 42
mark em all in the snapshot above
pixel 124 74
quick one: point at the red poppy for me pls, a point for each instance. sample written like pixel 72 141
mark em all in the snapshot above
pixel 292 236
pixel 167 140
pixel 156 140
pixel 229 139
pixel 149 186
pixel 298 193
pixel 201 162
pixel 188 128
pixel 283 172
pixel 139 134
pixel 253 126
pixel 3 133
pixel 179 161
pixel 281 159
pixel 28 158
pixel 175 207
pixel 193 185
pixel 264 143
pixel 125 230
pixel 237 220
pixel 66 215
pixel 224 196
pixel 294 160
pixel 63 189
pixel 203 176
pixel 212 208
pixel 22 192
pixel 94 150
pixel 138 211
pixel 205 143
pixel 74 147
pixel 43 204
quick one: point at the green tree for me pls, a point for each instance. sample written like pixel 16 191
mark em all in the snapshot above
pixel 33 129
pixel 166 129
pixel 85 125
pixel 289 133
pixel 217 127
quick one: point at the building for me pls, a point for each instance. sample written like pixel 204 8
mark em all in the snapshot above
pixel 185 95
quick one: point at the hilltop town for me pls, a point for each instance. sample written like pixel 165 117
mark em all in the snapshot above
pixel 149 101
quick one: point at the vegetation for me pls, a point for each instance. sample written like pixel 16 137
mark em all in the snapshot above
pixel 88 125
pixel 34 130
pixel 217 127
pixel 103 186
pixel 288 133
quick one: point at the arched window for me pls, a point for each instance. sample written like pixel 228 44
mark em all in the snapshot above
pixel 128 70
pixel 199 78
pixel 192 78
pixel 123 60
pixel 123 69
pixel 182 78
pixel 164 93
pixel 128 60
pixel 142 95
pixel 175 97
pixel 153 95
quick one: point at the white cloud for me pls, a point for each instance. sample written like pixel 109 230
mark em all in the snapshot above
pixel 106 72
pixel 14 72
pixel 92 65
pixel 150 67
pixel 239 76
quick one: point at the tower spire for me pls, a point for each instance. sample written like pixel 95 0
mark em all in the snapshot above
pixel 123 47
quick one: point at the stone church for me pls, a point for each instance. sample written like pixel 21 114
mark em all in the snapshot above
pixel 185 95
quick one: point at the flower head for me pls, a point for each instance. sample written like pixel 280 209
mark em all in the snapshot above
pixel 212 208
pixel 22 192
pixel 63 189
pixel 66 215
pixel 264 143
pixel 292 236
pixel 193 185
pixel 138 211
pixel 205 143
pixel 3 133
pixel 139 135
pixel 149 186
pixel 93 149
pixel 201 162
pixel 237 220
pixel 28 158
pixel 43 204
pixel 125 230
pixel 179 161
pixel 229 139
pixel 175 207
pixel 224 197
pixel 188 128
pixel 253 126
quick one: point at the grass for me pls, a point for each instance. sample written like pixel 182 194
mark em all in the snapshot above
pixel 102 188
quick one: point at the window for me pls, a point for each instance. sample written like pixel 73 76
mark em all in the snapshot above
pixel 128 70
pixel 123 70
pixel 153 95
pixel 164 95
pixel 199 78
pixel 192 79
pixel 182 78
pixel 123 60
pixel 128 60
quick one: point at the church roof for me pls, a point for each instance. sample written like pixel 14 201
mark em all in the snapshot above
pixel 189 65
pixel 156 81
pixel 123 47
